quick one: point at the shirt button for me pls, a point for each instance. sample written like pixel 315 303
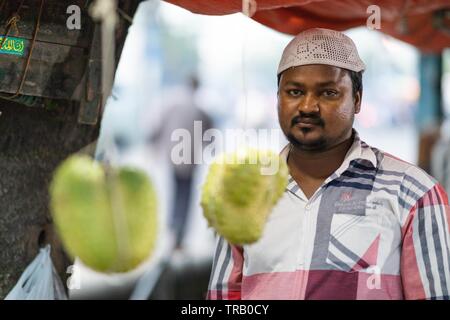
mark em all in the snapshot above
pixel 307 207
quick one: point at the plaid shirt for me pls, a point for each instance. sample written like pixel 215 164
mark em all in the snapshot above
pixel 377 228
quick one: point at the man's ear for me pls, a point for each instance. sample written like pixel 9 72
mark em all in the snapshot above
pixel 278 84
pixel 357 100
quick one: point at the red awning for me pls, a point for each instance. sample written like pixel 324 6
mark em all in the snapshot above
pixel 422 23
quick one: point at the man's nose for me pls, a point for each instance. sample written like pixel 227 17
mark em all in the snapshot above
pixel 309 103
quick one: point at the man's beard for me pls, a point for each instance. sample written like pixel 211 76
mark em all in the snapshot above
pixel 317 145
pixel 314 118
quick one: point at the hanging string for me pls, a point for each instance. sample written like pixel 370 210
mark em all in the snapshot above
pixel 245 11
pixel 13 23
pixel 125 16
pixel 248 9
pixel 244 78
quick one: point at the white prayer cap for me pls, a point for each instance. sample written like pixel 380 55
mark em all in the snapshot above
pixel 321 46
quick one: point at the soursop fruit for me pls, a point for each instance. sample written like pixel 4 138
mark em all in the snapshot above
pixel 237 197
pixel 107 217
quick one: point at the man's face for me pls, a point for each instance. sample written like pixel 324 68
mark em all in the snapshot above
pixel 316 106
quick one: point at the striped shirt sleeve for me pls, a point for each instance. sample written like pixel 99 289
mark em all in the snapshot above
pixel 226 275
pixel 425 260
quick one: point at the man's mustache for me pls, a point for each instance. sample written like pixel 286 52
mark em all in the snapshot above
pixel 308 118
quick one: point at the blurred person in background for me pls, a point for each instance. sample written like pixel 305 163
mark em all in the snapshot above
pixel 181 115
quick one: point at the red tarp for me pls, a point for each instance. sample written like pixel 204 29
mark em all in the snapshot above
pixel 409 20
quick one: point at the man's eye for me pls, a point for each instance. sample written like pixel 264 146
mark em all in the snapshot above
pixel 330 93
pixel 294 93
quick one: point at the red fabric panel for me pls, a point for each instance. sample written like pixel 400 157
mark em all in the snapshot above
pixel 293 16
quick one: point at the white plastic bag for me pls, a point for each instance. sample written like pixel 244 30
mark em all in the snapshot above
pixel 39 281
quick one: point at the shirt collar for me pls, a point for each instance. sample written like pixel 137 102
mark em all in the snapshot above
pixel 359 150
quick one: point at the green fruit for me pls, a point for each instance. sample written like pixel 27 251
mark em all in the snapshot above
pixel 237 197
pixel 106 217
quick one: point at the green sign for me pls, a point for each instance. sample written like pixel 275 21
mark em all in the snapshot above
pixel 14 46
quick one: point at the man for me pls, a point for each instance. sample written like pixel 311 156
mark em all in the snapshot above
pixel 354 222
pixel 182 117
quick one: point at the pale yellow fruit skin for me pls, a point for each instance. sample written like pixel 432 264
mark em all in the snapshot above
pixel 237 198
pixel 141 215
pixel 82 208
